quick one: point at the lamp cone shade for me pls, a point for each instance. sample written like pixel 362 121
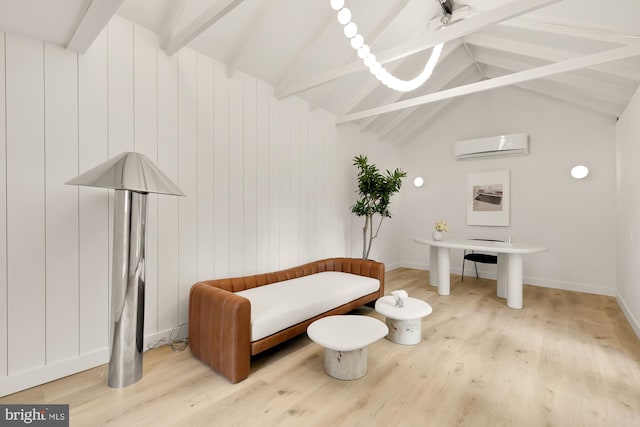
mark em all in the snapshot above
pixel 128 171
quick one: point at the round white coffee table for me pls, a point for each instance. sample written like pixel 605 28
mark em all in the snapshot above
pixel 345 340
pixel 405 323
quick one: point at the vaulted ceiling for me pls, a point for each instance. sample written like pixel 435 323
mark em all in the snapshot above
pixel 584 52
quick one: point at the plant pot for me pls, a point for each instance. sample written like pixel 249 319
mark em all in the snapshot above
pixel 437 235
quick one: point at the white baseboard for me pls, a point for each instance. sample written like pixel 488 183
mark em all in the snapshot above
pixel 43 374
pixel 392 266
pixel 33 377
pixel 179 332
pixel 635 324
pixel 555 284
pixel 570 286
pixel 415 265
pixel 533 281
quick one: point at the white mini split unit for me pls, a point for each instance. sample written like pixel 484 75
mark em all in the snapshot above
pixel 516 144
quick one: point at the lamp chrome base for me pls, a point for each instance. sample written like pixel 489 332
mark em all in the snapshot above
pixel 132 176
pixel 127 294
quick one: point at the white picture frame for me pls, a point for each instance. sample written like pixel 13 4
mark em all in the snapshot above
pixel 488 198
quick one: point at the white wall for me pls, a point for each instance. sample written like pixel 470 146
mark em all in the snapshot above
pixel 628 212
pixel 268 186
pixel 576 219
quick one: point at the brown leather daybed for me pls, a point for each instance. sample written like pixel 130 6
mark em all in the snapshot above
pixel 231 320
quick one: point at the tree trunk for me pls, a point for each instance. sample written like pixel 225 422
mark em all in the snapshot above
pixel 365 252
pixel 370 236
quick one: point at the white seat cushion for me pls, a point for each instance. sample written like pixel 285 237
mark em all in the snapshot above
pixel 280 305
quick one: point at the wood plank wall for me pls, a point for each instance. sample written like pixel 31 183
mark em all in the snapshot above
pixel 3 218
pixel 266 184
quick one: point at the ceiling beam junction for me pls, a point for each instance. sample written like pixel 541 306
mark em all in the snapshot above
pixel 475 63
pixel 432 83
pixel 305 51
pixel 94 20
pixel 262 11
pixel 598 88
pixel 475 23
pixel 444 81
pixel 171 17
pixel 568 30
pixel 564 93
pixel 377 33
pixel 196 27
pixel 421 118
pixel 522 76
pixel 538 51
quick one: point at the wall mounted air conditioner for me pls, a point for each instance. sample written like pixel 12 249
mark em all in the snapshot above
pixel 515 144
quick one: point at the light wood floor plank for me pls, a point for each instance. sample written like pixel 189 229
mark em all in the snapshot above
pixel 566 359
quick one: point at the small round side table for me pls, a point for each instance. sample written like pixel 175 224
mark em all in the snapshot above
pixel 345 340
pixel 405 323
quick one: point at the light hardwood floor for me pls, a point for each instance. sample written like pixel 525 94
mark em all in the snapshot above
pixel 566 359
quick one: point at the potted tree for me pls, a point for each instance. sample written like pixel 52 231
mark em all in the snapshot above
pixel 375 191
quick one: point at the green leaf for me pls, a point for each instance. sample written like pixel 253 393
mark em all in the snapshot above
pixel 375 190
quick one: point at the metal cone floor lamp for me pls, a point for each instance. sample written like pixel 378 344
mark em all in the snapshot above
pixel 132 176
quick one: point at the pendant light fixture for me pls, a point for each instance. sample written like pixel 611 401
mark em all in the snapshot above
pixel 370 61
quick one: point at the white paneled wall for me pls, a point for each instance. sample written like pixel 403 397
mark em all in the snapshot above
pixel 187 179
pixel 93 203
pixel 61 203
pixel 3 218
pixel 221 172
pixel 26 204
pixel 145 140
pixel 168 230
pixel 267 184
pixel 628 212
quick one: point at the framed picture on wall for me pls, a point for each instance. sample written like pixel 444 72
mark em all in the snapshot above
pixel 488 198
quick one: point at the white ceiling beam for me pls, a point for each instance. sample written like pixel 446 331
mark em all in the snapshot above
pixel 262 11
pixel 565 94
pixel 305 51
pixel 419 115
pixel 95 18
pixel 367 89
pixel 567 30
pixel 532 74
pixel 411 127
pixel 448 49
pixel 172 15
pixel 475 63
pixel 414 127
pixel 196 27
pixel 599 89
pixel 573 99
pixel 378 31
pixel 459 29
pixel 422 118
pixel 537 51
pixel 402 115
pixel 446 73
pixel 387 21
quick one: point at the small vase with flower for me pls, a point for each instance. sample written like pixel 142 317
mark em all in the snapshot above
pixel 439 228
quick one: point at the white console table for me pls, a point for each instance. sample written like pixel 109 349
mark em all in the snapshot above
pixel 510 272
